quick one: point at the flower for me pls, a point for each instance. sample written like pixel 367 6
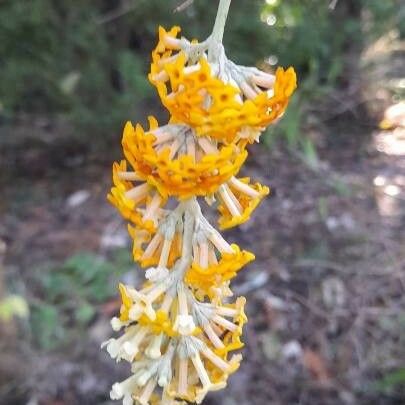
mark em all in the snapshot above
pixel 166 44
pixel 241 103
pixel 186 354
pixel 208 279
pixel 238 199
pixel 178 163
pixel 180 330
pixel 159 249
pixel 139 204
pixel 215 261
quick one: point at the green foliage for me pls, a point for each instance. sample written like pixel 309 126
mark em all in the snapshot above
pixel 70 294
pixel 320 43
pixel 390 381
pixel 88 60
pixel 56 58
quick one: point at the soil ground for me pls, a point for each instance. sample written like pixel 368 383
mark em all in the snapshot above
pixel 326 314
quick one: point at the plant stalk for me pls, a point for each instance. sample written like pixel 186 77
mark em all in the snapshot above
pixel 220 20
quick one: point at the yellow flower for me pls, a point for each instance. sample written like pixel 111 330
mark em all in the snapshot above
pixel 196 97
pixel 238 199
pixel 139 204
pixel 176 162
pixel 179 330
pixel 232 340
pixel 164 49
pixel 187 367
pixel 206 278
pixel 126 303
pixel 156 249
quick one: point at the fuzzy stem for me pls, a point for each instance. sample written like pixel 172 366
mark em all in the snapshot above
pixel 220 20
pixel 191 212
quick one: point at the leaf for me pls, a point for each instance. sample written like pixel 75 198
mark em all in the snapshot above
pixel 391 380
pixel 342 188
pixel 84 313
pixel 85 267
pixel 323 208
pixel 310 155
pixel 47 326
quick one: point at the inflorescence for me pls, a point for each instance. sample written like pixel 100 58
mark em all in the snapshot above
pixel 181 328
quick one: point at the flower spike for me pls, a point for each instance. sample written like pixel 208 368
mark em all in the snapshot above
pixel 180 330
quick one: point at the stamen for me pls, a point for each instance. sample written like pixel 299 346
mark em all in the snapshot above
pixel 190 147
pixel 192 68
pixel 264 80
pixel 171 43
pixel 164 255
pixel 226 311
pixel 216 329
pixel 204 255
pixel 216 341
pixel 233 197
pixel 212 257
pixel 162 137
pixel 137 193
pixel 196 253
pixel 156 292
pixel 229 202
pixel 153 207
pixel 225 323
pixel 167 302
pixel 147 392
pixel 207 146
pixel 248 90
pixel 243 188
pixel 182 297
pixel 210 355
pixel 183 371
pixel 130 176
pixel 201 371
pixel 153 245
pixel 220 243
pixel 165 61
pixel 175 147
pixel 162 76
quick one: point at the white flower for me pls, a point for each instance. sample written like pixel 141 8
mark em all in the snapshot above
pixel 156 274
pixel 184 324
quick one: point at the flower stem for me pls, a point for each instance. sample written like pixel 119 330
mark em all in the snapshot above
pixel 220 20
pixel 191 210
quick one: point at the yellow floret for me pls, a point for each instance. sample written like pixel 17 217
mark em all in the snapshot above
pixel 204 279
pixel 194 96
pixel 182 176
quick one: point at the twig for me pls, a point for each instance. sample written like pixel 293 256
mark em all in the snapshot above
pixel 311 306
pixel 114 14
pixel 333 4
pixel 325 264
pixel 181 7
pixel 220 20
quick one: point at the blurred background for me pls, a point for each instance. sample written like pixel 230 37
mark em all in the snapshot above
pixel 325 295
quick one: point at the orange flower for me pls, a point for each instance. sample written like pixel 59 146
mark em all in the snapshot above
pixel 194 96
pixel 139 204
pixel 176 162
pixel 237 200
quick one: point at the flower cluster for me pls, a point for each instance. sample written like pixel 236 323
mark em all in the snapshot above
pixel 180 330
